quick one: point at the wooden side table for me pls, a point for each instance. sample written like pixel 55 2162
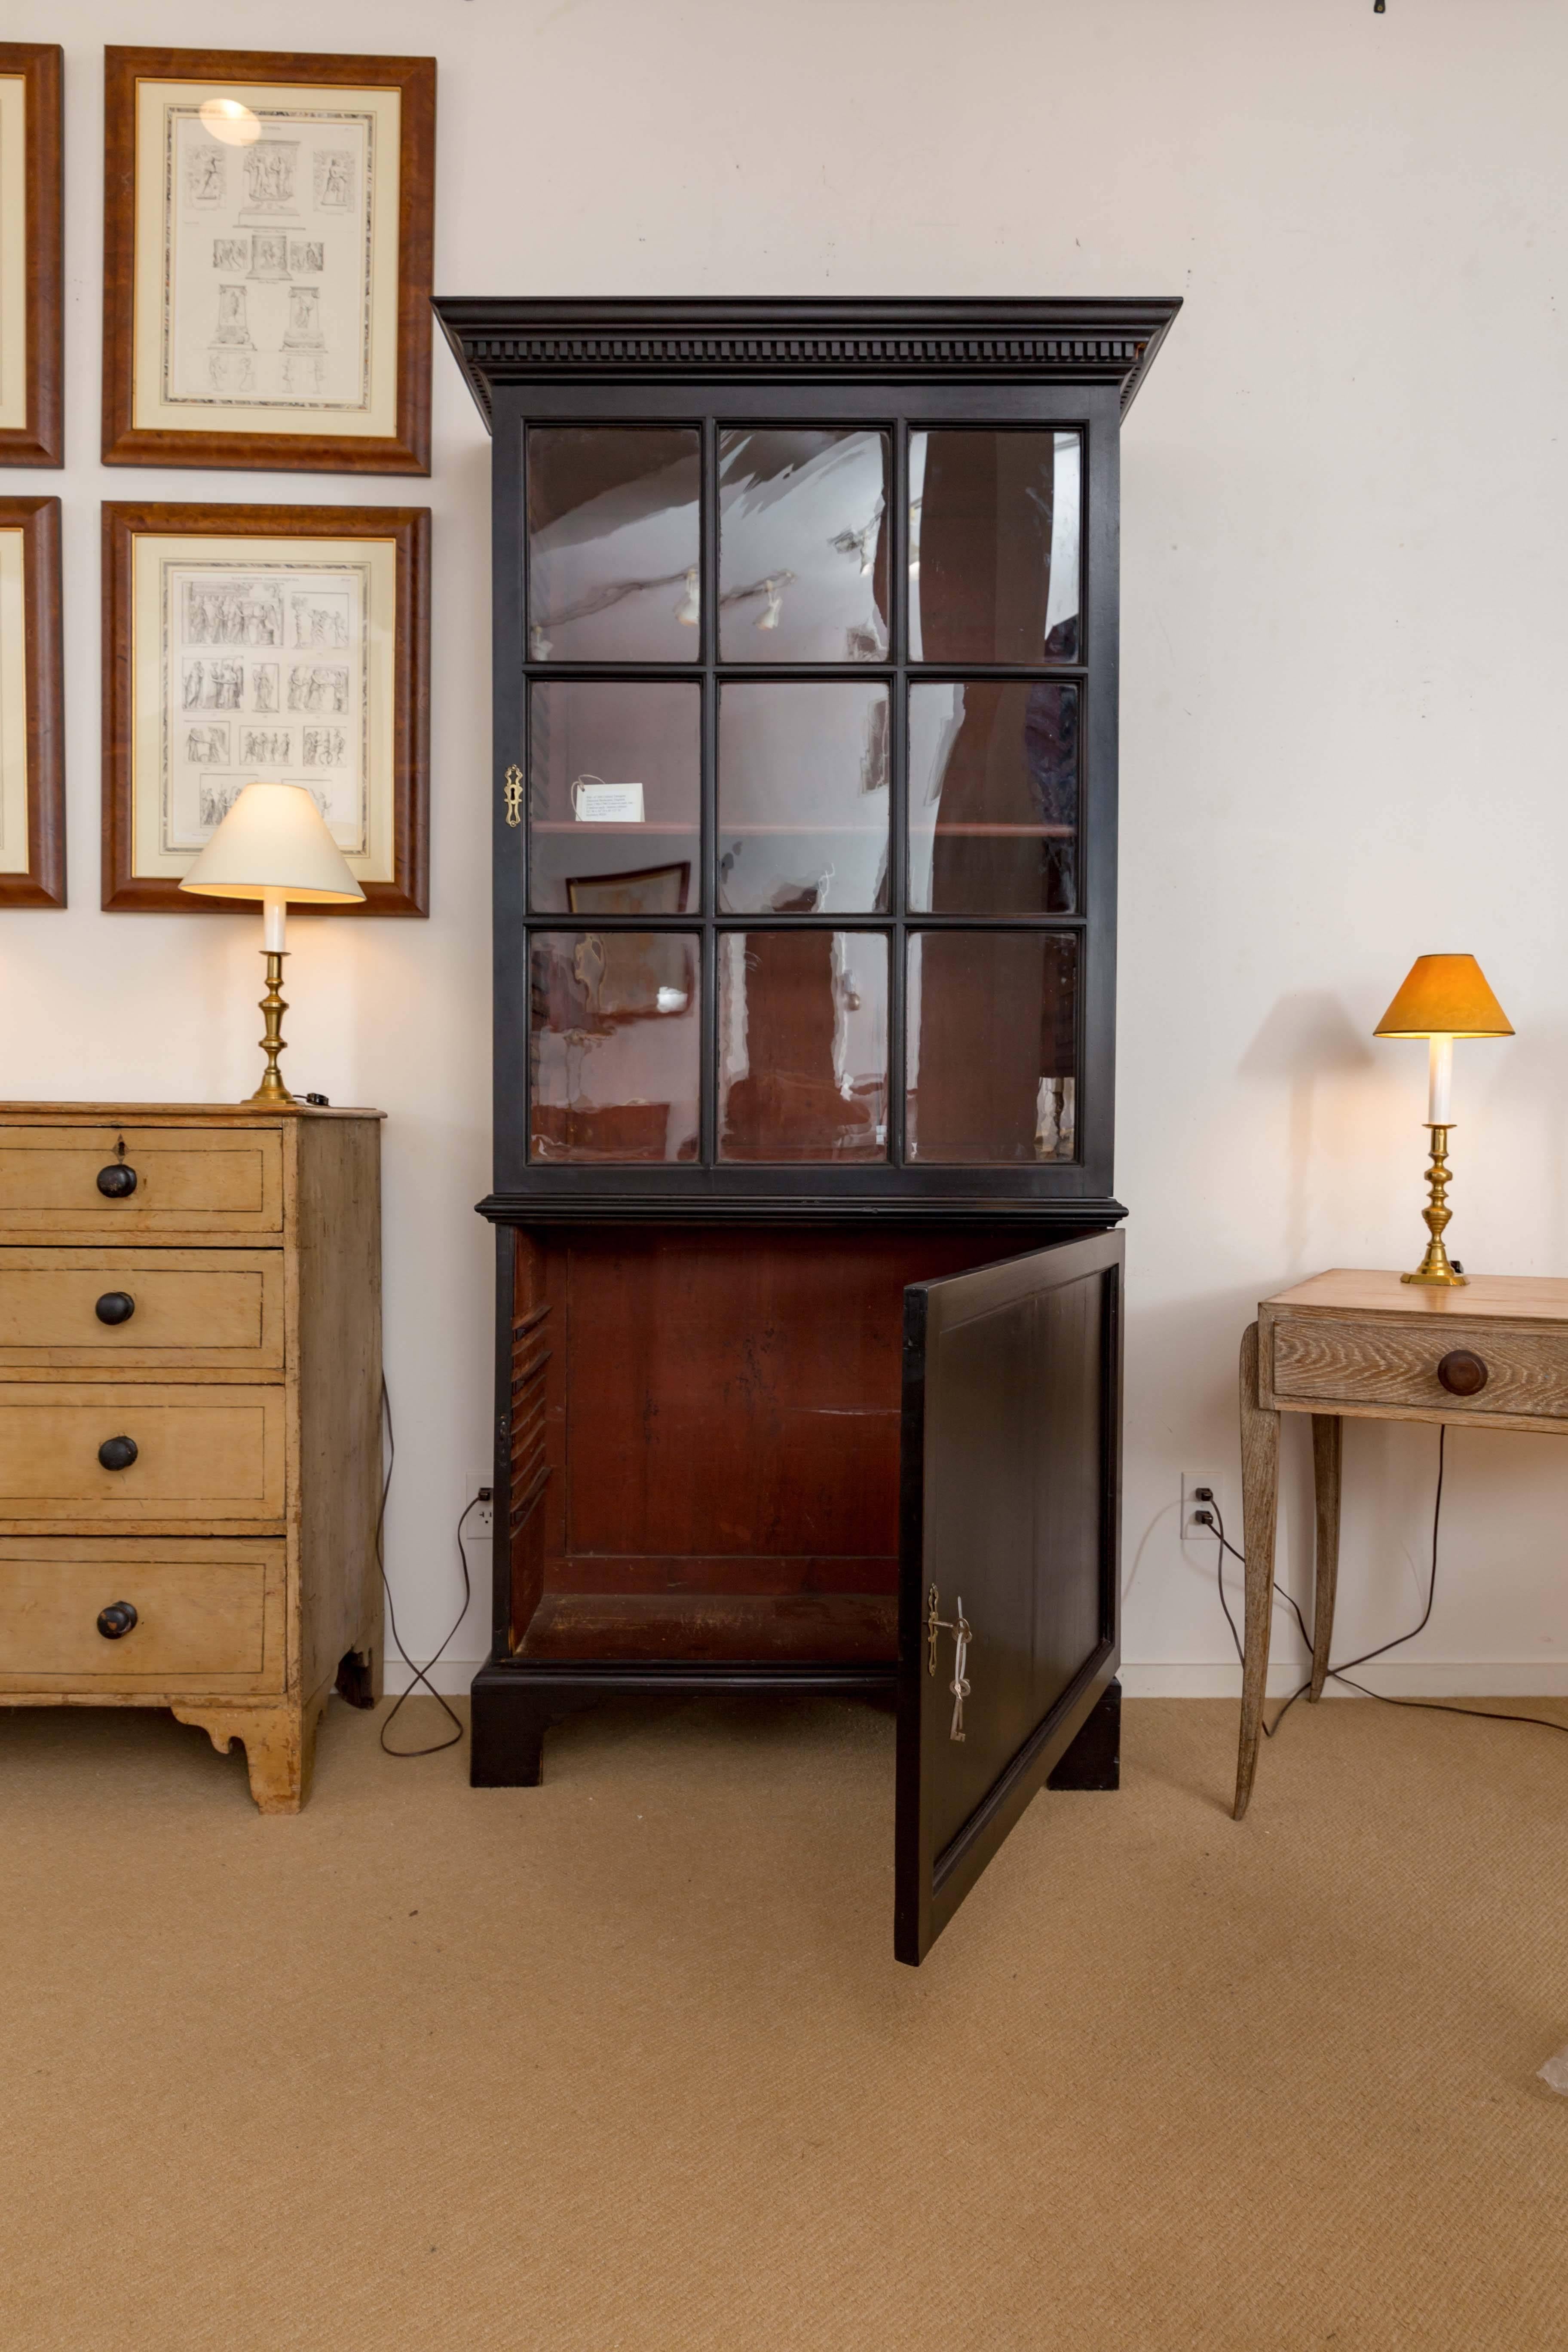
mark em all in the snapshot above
pixel 1367 1346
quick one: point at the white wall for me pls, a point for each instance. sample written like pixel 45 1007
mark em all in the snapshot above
pixel 1345 572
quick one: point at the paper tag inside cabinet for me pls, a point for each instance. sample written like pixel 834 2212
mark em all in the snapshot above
pixel 595 802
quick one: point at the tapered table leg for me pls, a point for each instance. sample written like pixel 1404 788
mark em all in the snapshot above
pixel 1327 1447
pixel 1260 1499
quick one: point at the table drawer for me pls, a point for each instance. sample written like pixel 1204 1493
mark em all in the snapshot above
pixel 189 1180
pixel 1321 1359
pixel 189 1309
pixel 207 1453
pixel 207 1615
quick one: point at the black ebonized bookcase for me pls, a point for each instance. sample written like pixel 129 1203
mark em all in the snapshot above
pixel 809 1281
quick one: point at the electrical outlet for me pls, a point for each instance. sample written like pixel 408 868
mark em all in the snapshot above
pixel 1194 1530
pixel 479 1526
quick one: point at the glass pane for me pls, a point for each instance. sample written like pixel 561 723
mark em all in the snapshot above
pixel 994 799
pixel 994 546
pixel 613 553
pixel 614 796
pixel 803 546
pixel 614 1047
pixel 992 1051
pixel 803 799
pixel 802 1046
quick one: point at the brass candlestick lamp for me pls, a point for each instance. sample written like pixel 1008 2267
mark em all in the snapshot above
pixel 1443 997
pixel 273 845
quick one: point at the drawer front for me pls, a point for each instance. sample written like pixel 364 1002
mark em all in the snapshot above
pixel 1318 1358
pixel 207 1454
pixel 206 1615
pixel 188 1309
pixel 189 1180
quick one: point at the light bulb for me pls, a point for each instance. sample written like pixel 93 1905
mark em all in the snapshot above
pixel 539 646
pixel 689 612
pixel 228 119
pixel 770 619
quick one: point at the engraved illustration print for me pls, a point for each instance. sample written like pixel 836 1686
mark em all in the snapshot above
pixel 267 262
pixel 232 612
pixel 320 619
pixel 207 747
pixel 206 172
pixel 267 747
pixel 216 799
pixel 269 168
pixel 231 327
pixel 269 256
pixel 334 179
pixel 303 332
pixel 304 618
pixel 212 685
pixel 318 686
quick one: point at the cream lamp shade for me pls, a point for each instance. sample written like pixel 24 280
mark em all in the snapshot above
pixel 274 843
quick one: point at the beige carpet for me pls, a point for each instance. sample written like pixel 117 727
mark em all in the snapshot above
pixel 626 2061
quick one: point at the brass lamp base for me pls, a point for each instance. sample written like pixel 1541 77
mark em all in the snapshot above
pixel 272 1094
pixel 1435 1266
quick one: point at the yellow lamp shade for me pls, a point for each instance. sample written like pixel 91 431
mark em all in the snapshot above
pixel 1444 996
pixel 274 844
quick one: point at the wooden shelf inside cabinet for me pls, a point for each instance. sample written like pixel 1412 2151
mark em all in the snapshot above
pixel 189 1417
pixel 809 1287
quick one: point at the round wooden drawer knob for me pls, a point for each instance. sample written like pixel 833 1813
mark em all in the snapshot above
pixel 118 1452
pixel 115 1307
pixel 117 1183
pixel 1461 1373
pixel 115 1622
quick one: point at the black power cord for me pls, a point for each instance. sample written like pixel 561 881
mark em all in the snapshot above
pixel 418 1674
pixel 1342 1674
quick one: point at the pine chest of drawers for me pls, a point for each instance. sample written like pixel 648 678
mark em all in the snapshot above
pixel 190 1416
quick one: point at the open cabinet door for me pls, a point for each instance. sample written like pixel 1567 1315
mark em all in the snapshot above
pixel 1009 1576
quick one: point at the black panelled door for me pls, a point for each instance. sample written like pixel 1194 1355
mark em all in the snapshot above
pixel 1008 1627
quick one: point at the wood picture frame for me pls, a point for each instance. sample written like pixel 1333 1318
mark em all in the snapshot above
pixel 290 644
pixel 244 293
pixel 32 747
pixel 32 341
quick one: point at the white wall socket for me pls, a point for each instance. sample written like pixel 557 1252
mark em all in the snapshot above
pixel 479 1526
pixel 1191 1531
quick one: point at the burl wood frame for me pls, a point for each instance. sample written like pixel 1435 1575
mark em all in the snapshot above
pixel 44 883
pixel 406 451
pixel 409 893
pixel 41 441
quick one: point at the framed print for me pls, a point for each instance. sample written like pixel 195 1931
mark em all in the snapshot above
pixel 267 226
pixel 31 370
pixel 32 715
pixel 284 644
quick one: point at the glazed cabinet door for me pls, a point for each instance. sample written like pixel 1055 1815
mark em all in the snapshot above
pixel 1010 1509
pixel 805 847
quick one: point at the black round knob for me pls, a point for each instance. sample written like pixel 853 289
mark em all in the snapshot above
pixel 115 1622
pixel 115 1307
pixel 117 1452
pixel 117 1183
pixel 1462 1373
